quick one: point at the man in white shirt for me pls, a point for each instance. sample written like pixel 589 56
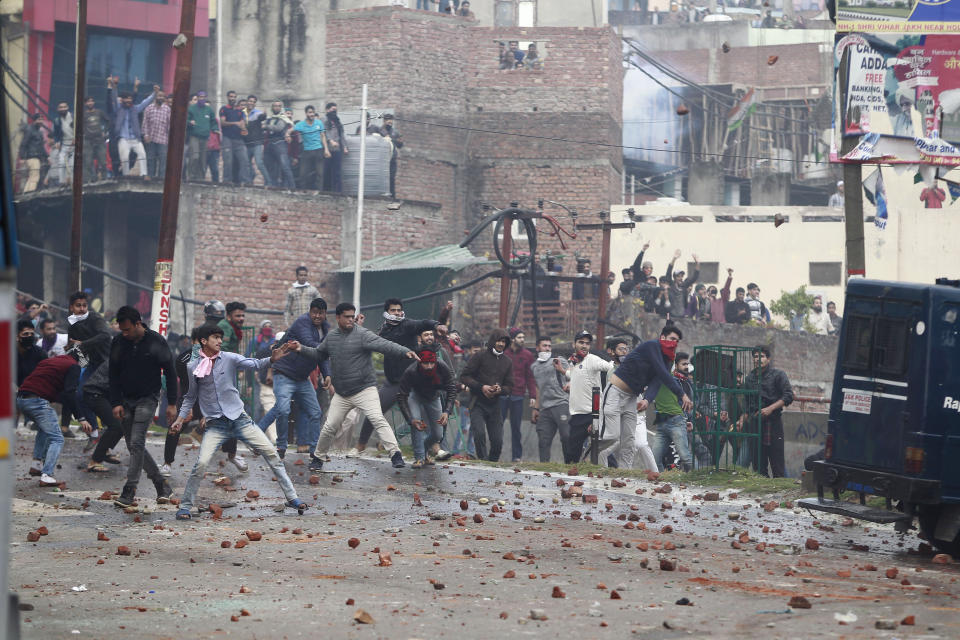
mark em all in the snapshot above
pixel 583 373
pixel 819 318
pixel 52 342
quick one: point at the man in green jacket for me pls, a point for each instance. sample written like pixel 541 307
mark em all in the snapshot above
pixel 232 326
pixel 349 347
pixel 201 120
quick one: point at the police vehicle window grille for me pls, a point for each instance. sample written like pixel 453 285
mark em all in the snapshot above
pixel 890 345
pixel 857 341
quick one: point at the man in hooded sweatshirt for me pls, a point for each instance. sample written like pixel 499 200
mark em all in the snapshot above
pixel 488 375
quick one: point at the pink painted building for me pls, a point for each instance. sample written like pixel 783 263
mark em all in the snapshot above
pixel 126 38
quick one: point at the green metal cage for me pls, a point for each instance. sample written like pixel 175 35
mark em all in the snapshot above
pixel 727 405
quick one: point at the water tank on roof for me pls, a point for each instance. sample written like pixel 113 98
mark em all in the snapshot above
pixel 377 172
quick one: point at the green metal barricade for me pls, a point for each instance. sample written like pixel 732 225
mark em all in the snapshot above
pixel 726 396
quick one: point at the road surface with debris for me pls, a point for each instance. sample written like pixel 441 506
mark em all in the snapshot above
pixel 458 551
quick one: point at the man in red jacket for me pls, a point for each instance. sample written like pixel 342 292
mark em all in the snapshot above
pixel 523 384
pixel 52 380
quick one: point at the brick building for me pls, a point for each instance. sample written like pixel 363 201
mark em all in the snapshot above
pixel 456 109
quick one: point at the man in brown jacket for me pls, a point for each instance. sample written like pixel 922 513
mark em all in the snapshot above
pixel 488 375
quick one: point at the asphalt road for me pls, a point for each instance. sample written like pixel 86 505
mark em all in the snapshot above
pixel 488 570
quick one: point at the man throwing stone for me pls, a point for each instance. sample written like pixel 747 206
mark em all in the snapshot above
pixel 349 346
pixel 213 387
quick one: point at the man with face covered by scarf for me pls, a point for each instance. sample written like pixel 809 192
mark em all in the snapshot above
pixel 643 371
pixel 404 331
pixel 427 393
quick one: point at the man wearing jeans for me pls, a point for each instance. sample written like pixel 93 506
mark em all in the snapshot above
pixel 673 423
pixel 213 388
pixel 349 348
pixel 233 123
pixel 156 134
pixel 291 380
pixel 315 149
pixel 643 371
pixel 426 397
pixel 489 376
pixel 138 358
pixel 52 380
pixel 523 384
pixel 550 410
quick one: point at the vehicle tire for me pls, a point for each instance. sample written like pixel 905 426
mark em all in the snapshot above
pixel 927 518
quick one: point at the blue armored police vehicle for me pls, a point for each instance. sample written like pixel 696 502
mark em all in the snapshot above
pixel 894 428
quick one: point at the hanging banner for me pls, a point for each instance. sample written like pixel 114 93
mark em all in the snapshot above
pixel 905 90
pixel 898 16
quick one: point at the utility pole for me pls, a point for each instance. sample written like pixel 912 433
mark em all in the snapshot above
pixel 358 246
pixel 852 182
pixel 606 227
pixel 79 88
pixel 170 207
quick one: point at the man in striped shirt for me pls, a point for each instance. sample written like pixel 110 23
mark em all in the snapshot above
pixel 156 133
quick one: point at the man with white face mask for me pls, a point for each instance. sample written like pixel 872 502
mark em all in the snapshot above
pixel 550 408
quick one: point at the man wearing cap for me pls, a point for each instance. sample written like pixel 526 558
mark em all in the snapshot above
pixel 426 397
pixel 643 371
pixel 836 200
pixel 583 371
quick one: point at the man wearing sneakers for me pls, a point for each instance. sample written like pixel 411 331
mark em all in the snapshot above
pixel 52 380
pixel 138 357
pixel 404 331
pixel 643 371
pixel 349 347
pixel 427 393
pixel 583 371
pixel 213 389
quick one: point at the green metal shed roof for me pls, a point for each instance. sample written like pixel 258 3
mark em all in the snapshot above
pixel 449 256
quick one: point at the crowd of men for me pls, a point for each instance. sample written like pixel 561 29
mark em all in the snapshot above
pixel 129 137
pixel 316 381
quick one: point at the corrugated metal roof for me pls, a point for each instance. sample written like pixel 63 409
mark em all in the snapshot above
pixel 450 256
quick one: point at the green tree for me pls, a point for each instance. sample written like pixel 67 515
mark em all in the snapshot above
pixel 792 303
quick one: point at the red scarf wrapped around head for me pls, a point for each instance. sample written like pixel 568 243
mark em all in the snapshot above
pixel 426 356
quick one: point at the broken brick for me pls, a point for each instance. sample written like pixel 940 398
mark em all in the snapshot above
pixel 510 574
pixel 253 495
pixel 667 565
pixel 477 518
pixel 558 593
pixel 240 544
pixel 712 496
pixel 33 536
pixel 314 479
pixel 892 573
pixel 223 545
pixel 353 543
pixel 102 537
pixel 615 595
pixel 799 602
pixel 812 544
pixel 254 536
pixel 123 551
pixel 385 559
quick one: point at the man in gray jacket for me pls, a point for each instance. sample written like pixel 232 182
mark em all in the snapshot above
pixel 351 371
pixel 550 412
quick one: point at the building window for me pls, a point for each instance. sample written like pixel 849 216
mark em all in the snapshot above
pixel 826 274
pixel 515 13
pixel 709 272
pixel 108 53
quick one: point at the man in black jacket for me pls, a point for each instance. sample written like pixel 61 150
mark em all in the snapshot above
pixel 775 394
pixel 404 331
pixel 426 397
pixel 138 357
pixel 488 375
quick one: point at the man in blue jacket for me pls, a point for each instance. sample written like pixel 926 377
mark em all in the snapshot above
pixel 291 379
pixel 643 371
